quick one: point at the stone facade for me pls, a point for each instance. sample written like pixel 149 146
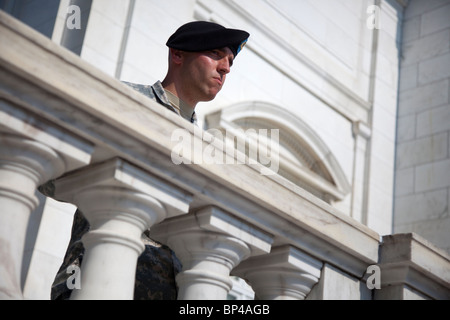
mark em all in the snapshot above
pixel 332 76
pixel 422 191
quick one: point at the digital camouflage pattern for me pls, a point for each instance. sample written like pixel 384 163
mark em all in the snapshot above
pixel 156 92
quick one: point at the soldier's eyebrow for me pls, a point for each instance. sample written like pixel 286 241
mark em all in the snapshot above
pixel 224 52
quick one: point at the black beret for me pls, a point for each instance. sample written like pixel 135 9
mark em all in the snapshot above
pixel 204 35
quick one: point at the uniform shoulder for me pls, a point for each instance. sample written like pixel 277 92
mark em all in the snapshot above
pixel 142 88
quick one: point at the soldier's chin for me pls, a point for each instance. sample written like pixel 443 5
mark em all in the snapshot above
pixel 210 97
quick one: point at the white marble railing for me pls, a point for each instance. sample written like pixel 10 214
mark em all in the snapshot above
pixel 109 149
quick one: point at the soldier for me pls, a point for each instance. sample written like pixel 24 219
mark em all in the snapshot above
pixel 200 56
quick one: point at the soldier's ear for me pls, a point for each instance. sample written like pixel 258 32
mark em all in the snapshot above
pixel 176 56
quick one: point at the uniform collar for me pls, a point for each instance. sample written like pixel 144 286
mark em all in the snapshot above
pixel 163 96
pixel 161 93
pixel 185 110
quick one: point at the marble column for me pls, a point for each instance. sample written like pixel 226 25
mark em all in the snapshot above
pixel 117 216
pixel 24 165
pixel 210 243
pixel 285 274
pixel 207 259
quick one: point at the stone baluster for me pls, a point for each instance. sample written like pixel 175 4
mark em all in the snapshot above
pixel 32 152
pixel 284 274
pixel 209 244
pixel 120 201
pixel 24 165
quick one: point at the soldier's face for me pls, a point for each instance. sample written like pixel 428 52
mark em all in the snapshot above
pixel 205 72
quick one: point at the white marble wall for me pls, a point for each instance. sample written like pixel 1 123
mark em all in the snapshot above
pixel 382 118
pixel 105 34
pixel 145 55
pixel 422 190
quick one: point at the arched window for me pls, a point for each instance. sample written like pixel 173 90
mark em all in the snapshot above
pixel 304 159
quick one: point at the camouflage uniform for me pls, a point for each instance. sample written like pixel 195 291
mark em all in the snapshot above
pixel 157 266
pixel 156 92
